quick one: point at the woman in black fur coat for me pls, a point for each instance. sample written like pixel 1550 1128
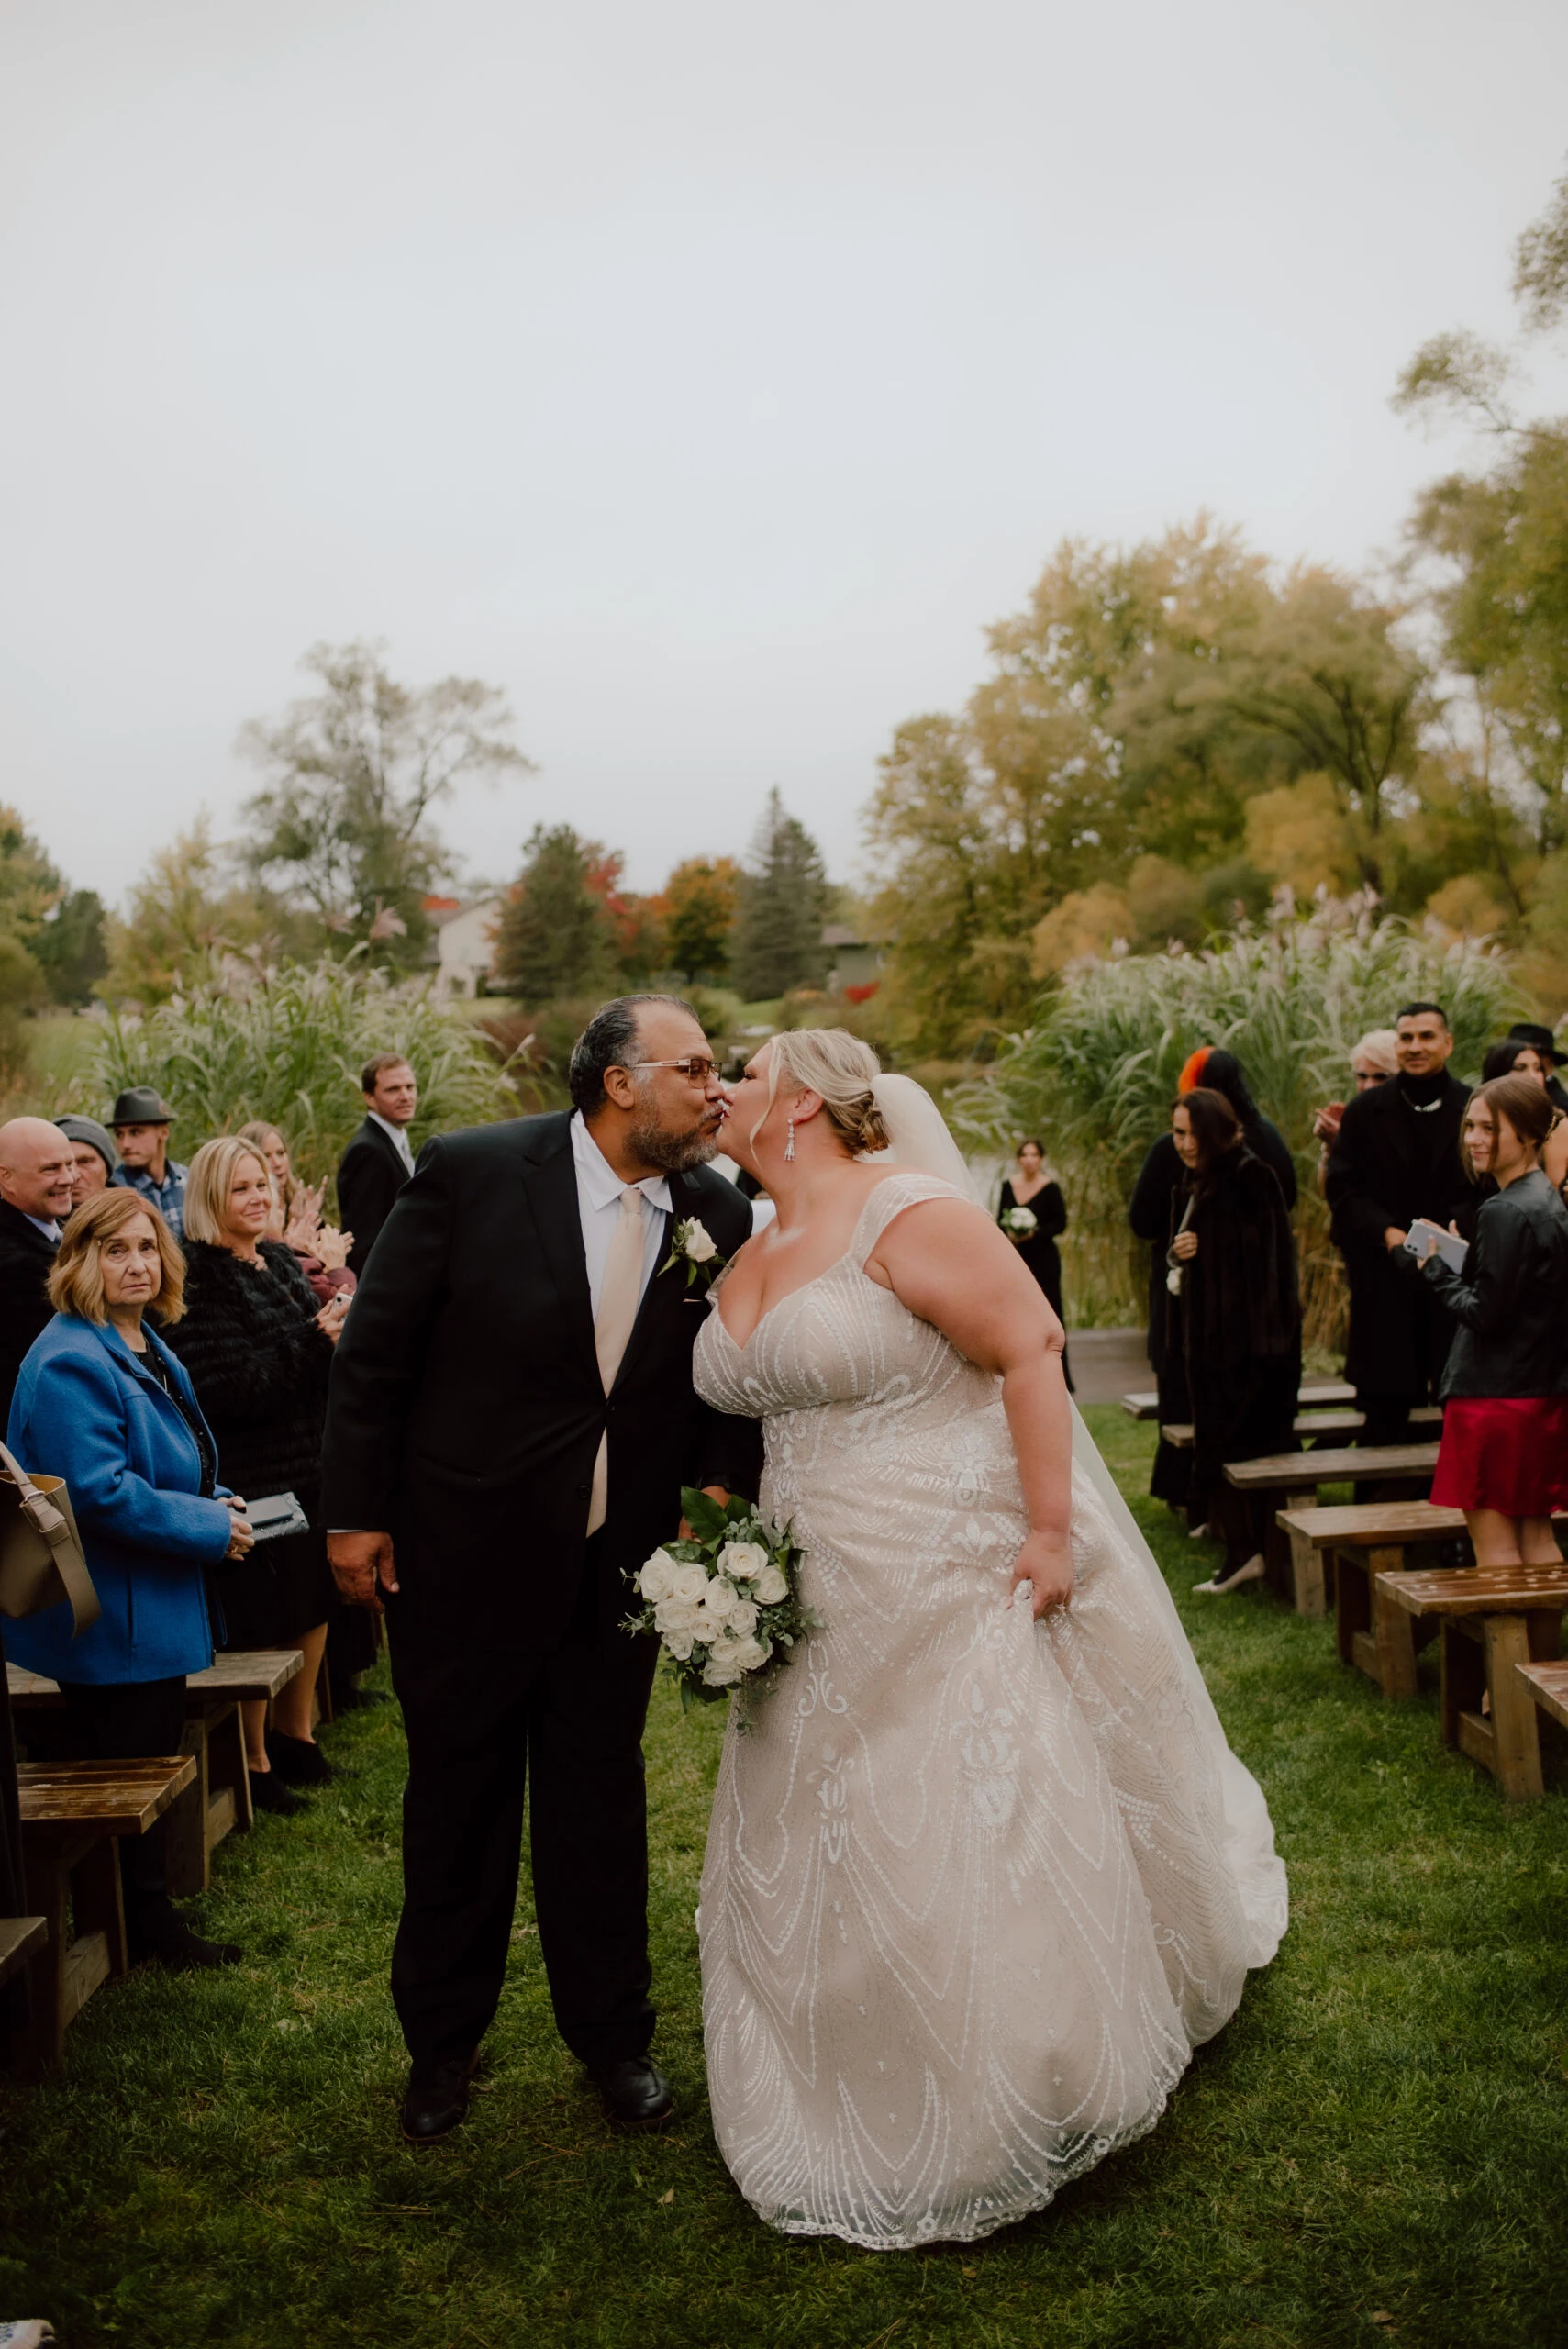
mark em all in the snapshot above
pixel 258 1347
pixel 1238 1312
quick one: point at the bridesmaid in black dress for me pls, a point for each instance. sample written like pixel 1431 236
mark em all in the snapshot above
pixel 1035 1187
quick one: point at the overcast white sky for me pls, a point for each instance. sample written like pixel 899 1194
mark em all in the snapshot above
pixel 708 376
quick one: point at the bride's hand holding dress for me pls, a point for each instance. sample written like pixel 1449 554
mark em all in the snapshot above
pixel 980 1874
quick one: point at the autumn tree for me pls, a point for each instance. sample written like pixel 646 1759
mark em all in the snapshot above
pixel 699 916
pixel 344 824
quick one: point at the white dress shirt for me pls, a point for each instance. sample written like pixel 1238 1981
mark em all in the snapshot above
pixel 397 1135
pixel 598 1204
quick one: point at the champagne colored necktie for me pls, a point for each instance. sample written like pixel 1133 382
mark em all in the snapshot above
pixel 619 1297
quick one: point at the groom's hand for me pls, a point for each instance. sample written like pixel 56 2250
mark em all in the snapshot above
pixel 359 1561
pixel 719 1493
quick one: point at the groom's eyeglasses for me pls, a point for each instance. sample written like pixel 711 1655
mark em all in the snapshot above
pixel 695 1067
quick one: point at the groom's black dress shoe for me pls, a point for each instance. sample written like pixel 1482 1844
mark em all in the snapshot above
pixel 437 2098
pixel 635 2092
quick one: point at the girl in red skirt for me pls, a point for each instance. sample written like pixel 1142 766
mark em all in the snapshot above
pixel 1504 1456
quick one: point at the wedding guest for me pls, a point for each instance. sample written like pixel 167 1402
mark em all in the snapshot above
pixel 1033 1187
pixel 1160 1179
pixel 1396 1157
pixel 378 1161
pixel 36 1170
pixel 94 1157
pixel 1542 1041
pixel 258 1349
pixel 103 1402
pixel 1372 1061
pixel 1513 1058
pixel 1504 1456
pixel 322 1254
pixel 296 1217
pixel 1232 1259
pixel 141 1120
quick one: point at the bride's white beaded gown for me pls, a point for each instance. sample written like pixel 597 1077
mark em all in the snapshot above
pixel 975 1886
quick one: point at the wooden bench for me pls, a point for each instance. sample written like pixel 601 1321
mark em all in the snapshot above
pixel 71 1814
pixel 219 1800
pixel 1314 1393
pixel 1295 1476
pixel 1354 1545
pixel 1546 1685
pixel 1312 1426
pixel 1492 1619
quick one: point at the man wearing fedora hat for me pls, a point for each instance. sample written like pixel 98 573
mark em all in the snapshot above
pixel 1543 1043
pixel 140 1121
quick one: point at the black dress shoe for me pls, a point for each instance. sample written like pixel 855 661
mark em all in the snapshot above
pixel 635 2092
pixel 437 2098
pixel 155 1929
pixel 296 1761
pixel 268 1792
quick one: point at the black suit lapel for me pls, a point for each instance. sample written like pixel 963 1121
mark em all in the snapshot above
pixel 551 1191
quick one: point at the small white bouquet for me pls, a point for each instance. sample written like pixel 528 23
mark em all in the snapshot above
pixel 725 1602
pixel 1018 1223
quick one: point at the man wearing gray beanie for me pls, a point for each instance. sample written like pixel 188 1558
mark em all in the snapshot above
pixel 94 1153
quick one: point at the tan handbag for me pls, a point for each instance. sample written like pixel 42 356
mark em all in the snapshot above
pixel 41 1557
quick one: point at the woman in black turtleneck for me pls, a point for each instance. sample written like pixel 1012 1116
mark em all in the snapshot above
pixel 1159 1178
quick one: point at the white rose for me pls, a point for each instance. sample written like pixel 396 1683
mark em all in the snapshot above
pixel 749 1653
pixel 700 1243
pixel 658 1577
pixel 673 1618
pixel 689 1582
pixel 721 1670
pixel 713 1621
pixel 742 1559
pixel 770 1586
pixel 742 1619
pixel 679 1644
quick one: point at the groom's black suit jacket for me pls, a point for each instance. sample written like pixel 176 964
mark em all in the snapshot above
pixel 465 1406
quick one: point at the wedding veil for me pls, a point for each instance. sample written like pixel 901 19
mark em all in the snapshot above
pixel 918 1138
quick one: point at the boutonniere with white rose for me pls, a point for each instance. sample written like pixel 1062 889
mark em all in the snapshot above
pixel 693 1244
pixel 725 1601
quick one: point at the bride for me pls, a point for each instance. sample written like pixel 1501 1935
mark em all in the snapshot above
pixel 982 1871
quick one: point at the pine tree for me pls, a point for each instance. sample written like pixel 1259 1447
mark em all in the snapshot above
pixel 556 937
pixel 777 941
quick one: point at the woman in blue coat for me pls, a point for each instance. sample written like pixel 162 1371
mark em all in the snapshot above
pixel 101 1402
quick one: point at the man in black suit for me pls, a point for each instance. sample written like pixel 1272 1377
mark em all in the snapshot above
pixel 1396 1157
pixel 512 1416
pixel 378 1161
pixel 36 1168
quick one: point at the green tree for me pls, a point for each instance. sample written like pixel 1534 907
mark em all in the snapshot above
pixel 782 906
pixel 344 824
pixel 700 899
pixel 556 935
pixel 71 947
pixel 186 910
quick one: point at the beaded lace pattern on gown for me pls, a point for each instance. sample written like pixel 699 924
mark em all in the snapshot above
pixel 974 1886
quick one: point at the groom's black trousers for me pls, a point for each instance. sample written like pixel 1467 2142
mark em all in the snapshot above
pixel 571 1721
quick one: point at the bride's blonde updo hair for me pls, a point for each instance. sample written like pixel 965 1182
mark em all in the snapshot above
pixel 831 1062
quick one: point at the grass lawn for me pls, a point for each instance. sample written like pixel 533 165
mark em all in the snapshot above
pixel 1376 2148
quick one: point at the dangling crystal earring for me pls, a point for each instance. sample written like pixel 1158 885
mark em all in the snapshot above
pixel 789 1143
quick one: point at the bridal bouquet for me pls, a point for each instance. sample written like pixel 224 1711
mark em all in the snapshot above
pixel 1018 1222
pixel 725 1602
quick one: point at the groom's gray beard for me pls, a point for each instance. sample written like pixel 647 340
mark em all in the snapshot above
pixel 673 1152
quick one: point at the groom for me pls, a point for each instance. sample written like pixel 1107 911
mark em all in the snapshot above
pixel 510 1422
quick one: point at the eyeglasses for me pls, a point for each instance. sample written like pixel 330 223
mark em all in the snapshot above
pixel 695 1067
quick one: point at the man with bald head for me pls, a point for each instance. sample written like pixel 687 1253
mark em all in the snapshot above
pixel 36 1167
